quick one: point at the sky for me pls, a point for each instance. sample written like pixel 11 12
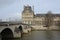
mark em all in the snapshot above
pixel 12 9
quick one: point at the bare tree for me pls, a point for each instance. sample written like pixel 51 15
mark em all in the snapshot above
pixel 48 19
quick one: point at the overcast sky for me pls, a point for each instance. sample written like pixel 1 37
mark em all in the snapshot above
pixel 11 9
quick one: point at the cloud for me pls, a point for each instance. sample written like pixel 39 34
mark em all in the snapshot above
pixel 17 15
pixel 4 3
pixel 12 16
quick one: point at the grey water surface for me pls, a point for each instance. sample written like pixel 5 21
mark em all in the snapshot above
pixel 41 35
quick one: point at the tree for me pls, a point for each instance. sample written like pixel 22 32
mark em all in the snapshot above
pixel 48 19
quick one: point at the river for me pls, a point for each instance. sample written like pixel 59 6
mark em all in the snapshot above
pixel 41 35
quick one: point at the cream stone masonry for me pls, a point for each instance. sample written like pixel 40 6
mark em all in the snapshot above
pixel 38 21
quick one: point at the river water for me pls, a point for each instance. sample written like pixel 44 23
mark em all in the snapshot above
pixel 41 35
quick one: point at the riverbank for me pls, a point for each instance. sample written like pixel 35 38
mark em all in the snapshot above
pixel 46 30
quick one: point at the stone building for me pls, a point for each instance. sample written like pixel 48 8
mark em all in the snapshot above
pixel 40 21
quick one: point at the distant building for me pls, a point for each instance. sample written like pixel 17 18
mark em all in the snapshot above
pixel 40 21
pixel 0 20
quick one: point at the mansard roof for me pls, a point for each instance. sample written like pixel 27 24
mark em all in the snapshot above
pixel 27 8
pixel 43 15
pixel 39 15
pixel 58 15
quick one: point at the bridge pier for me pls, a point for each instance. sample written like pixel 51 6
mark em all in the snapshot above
pixel 17 34
pixel 0 36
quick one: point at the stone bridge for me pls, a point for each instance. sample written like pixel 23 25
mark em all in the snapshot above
pixel 11 30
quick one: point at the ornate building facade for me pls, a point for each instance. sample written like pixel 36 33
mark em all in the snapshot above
pixel 40 21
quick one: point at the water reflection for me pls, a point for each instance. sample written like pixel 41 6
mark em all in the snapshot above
pixel 41 35
pixel 49 35
pixel 56 35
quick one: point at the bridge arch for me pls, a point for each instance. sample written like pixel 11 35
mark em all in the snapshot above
pixel 6 33
pixel 20 28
